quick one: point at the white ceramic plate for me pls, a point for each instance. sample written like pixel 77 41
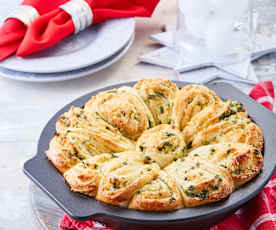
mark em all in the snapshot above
pixel 54 77
pixel 87 48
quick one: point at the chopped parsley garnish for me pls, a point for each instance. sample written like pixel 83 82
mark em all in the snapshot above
pixel 136 117
pixel 115 186
pixel 214 187
pixel 257 152
pixel 161 109
pixel 149 123
pixel 147 158
pixel 205 142
pixel 237 171
pixel 170 134
pixel 227 114
pixel 218 177
pixel 159 94
pixel 173 199
pixel 203 195
pixel 84 164
pixel 164 145
pixel 141 148
pixel 189 145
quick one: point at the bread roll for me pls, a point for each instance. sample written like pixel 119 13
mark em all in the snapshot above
pixel 161 144
pixel 158 94
pixel 161 194
pixel 124 109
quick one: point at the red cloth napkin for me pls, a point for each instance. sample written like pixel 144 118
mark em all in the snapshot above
pixel 12 31
pixel 53 27
pixel 257 214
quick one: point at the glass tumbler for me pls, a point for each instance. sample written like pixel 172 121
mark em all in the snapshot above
pixel 214 31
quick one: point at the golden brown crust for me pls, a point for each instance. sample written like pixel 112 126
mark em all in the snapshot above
pixel 118 186
pixel 113 148
pixel 189 101
pixel 63 154
pixel 161 144
pixel 92 132
pixel 159 195
pixel 158 94
pixel 124 109
pixel 234 129
pixel 211 115
pixel 200 182
pixel 85 176
pixel 242 161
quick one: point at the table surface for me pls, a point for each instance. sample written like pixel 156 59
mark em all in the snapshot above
pixel 26 107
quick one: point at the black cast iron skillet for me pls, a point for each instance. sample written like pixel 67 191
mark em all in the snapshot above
pixel 80 207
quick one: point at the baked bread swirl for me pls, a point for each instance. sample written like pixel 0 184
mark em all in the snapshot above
pixel 159 195
pixel 161 144
pixel 154 147
pixel 212 115
pixel 63 154
pixel 93 130
pixel 118 186
pixel 200 182
pixel 158 94
pixel 189 101
pixel 124 109
pixel 86 175
pixel 234 129
pixel 242 161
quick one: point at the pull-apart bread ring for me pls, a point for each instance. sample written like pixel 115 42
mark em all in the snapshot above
pixel 155 147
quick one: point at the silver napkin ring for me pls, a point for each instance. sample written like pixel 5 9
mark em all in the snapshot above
pixel 25 14
pixel 80 12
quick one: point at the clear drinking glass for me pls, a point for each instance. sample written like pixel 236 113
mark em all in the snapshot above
pixel 214 31
pixel 264 21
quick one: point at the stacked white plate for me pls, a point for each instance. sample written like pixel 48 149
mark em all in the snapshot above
pixel 79 55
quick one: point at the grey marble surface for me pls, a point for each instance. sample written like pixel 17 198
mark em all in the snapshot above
pixel 26 107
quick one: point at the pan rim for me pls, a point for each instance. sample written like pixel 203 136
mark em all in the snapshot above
pixel 144 216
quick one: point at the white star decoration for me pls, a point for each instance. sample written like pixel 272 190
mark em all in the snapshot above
pixel 205 71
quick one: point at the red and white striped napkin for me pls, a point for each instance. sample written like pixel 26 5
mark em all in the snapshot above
pixel 257 214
